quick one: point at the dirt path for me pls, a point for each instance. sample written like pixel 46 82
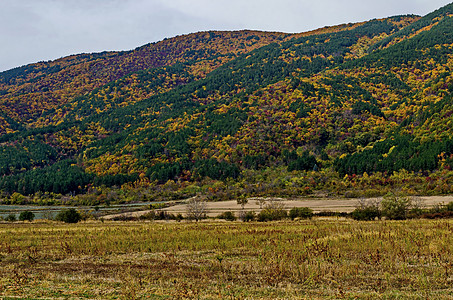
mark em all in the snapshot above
pixel 317 204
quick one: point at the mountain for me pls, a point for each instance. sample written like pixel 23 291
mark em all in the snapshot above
pixel 358 109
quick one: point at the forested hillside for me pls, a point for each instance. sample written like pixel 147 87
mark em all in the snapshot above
pixel 357 109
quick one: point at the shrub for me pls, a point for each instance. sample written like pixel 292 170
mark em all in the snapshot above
pixel 371 193
pixel 227 215
pixel 148 216
pixel 26 216
pixel 249 216
pixel 69 216
pixel 439 211
pixel 124 218
pixel 449 206
pixel 301 212
pixel 366 210
pixel 158 205
pixel 365 214
pixel 11 218
pixel 164 215
pixel 329 213
pixel 179 217
pixel 438 215
pixel 158 215
pixel 273 211
pixel 395 207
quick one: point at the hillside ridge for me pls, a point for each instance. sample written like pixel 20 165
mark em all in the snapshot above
pixel 360 108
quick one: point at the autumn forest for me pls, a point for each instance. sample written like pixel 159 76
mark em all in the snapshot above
pixel 352 110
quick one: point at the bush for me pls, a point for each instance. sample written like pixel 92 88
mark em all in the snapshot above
pixel 249 216
pixel 179 217
pixel 26 216
pixel 164 215
pixel 449 206
pixel 227 215
pixel 273 211
pixel 69 216
pixel 124 218
pixel 328 213
pixel 148 216
pixel 366 210
pixel 438 215
pixel 158 215
pixel 300 212
pixel 11 218
pixel 439 211
pixel 366 214
pixel 395 208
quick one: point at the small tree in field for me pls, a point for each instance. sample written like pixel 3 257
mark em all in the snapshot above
pixel 196 209
pixel 26 216
pixel 242 201
pixel 69 216
pixel 300 212
pixel 11 218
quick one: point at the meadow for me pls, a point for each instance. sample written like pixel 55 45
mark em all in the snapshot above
pixel 311 259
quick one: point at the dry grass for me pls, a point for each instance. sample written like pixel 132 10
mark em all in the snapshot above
pixel 285 260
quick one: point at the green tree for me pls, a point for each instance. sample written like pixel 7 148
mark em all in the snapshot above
pixel 69 216
pixel 300 212
pixel 26 216
pixel 11 218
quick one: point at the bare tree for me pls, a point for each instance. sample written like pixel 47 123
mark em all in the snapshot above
pixel 242 201
pixel 196 208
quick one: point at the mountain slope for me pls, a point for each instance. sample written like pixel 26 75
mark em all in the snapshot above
pixel 371 97
pixel 30 90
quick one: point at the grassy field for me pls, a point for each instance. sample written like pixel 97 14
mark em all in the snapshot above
pixel 316 259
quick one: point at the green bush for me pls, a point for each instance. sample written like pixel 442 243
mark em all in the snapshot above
pixel 367 210
pixel 273 211
pixel 227 215
pixel 269 215
pixel 148 216
pixel 11 218
pixel 249 216
pixel 366 214
pixel 26 216
pixel 158 215
pixel 449 206
pixel 69 216
pixel 395 207
pixel 300 212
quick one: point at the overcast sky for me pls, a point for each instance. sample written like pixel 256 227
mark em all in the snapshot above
pixel 40 30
